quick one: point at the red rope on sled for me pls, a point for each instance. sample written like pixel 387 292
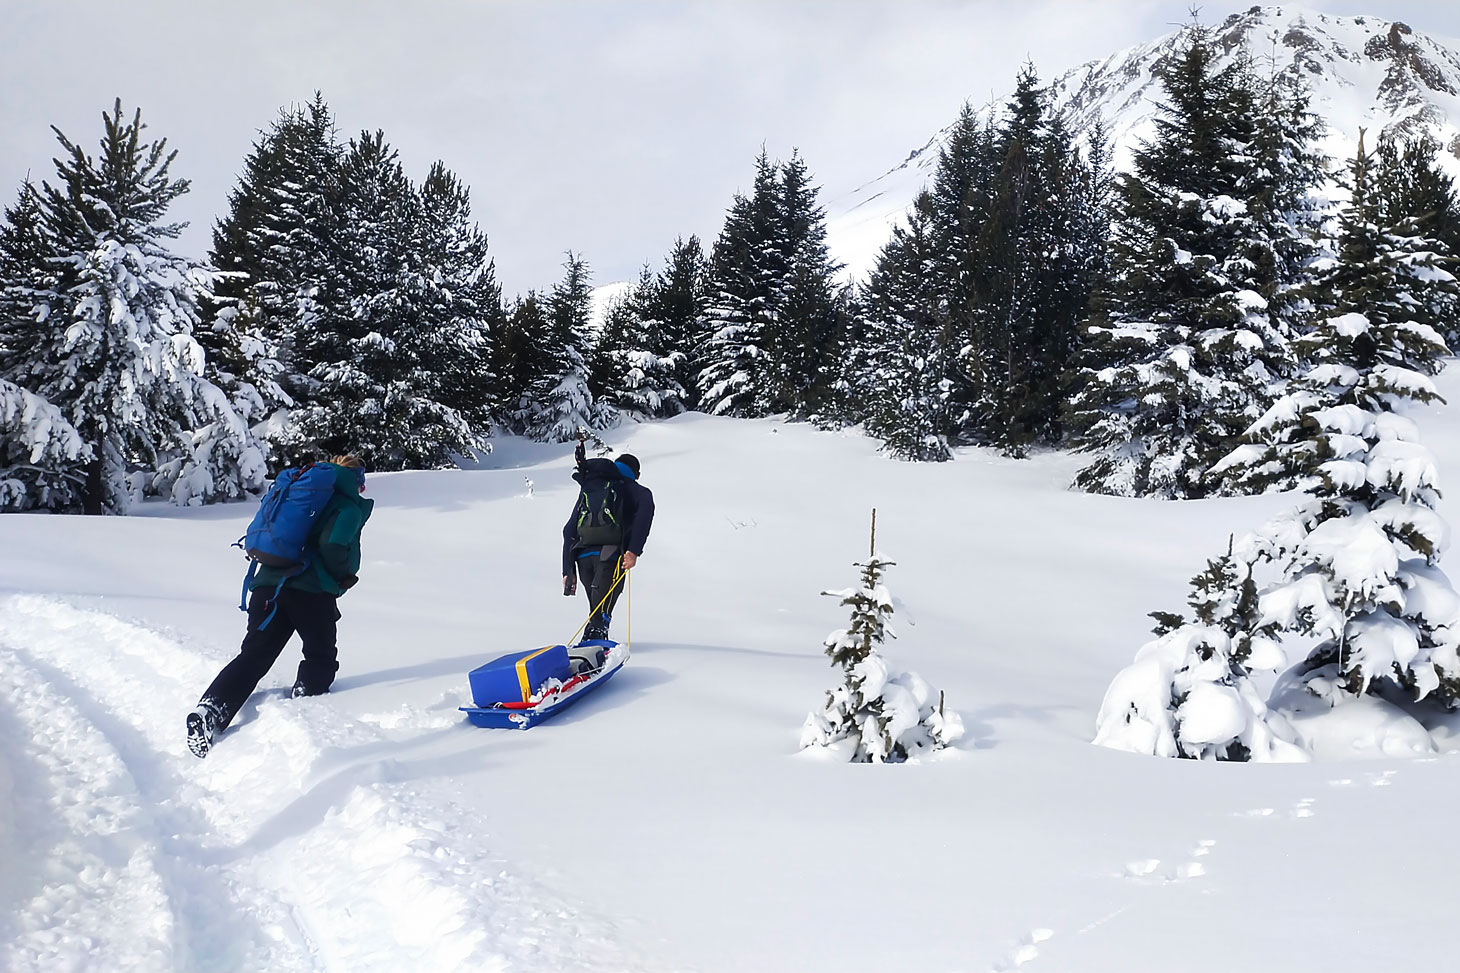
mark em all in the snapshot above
pixel 546 694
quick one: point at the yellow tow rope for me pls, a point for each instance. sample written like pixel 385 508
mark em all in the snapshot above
pixel 619 574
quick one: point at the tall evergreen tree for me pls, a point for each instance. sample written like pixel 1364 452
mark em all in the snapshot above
pixel 1283 188
pixel 745 290
pixel 962 197
pixel 906 355
pixel 562 403
pixel 805 341
pixel 277 249
pixel 1034 263
pixel 773 324
pixel 1413 186
pixel 1359 559
pixel 1416 203
pixel 113 345
pixel 628 369
pixel 1015 223
pixel 521 360
pixel 24 252
pixel 674 311
pixel 463 301
pixel 378 372
pixel 1185 355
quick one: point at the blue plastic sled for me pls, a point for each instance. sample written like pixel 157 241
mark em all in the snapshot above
pixel 522 715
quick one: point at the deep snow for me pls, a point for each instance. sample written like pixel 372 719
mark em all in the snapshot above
pixel 667 822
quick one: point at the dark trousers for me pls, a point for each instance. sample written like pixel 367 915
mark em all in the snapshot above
pixel 596 575
pixel 312 614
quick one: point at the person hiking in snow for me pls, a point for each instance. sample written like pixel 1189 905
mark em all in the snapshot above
pixel 605 533
pixel 282 602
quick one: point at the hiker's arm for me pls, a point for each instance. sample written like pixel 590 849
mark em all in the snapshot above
pixel 639 525
pixel 570 538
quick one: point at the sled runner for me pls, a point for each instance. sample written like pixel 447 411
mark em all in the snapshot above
pixel 522 689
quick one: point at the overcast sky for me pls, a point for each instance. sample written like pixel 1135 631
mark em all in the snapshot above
pixel 608 128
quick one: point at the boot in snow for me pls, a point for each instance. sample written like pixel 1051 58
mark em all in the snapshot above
pixel 204 722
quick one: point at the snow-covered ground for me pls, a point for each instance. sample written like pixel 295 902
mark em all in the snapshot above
pixel 667 822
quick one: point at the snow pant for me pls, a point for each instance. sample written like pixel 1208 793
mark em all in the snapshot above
pixel 312 614
pixel 595 571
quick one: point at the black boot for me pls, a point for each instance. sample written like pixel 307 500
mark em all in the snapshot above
pixel 204 722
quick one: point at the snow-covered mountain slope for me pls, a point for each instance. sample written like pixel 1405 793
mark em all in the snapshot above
pixel 667 822
pixel 1364 72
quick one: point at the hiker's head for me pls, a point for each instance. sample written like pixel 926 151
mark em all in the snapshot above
pixel 629 464
pixel 352 462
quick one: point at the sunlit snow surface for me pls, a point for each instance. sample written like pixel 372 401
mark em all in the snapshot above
pixel 667 822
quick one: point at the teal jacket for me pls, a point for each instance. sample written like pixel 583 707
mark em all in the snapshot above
pixel 334 542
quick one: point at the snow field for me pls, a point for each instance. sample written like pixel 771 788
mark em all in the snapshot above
pixel 667 822
pixel 153 857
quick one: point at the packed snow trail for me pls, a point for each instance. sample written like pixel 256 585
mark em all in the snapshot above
pixel 283 851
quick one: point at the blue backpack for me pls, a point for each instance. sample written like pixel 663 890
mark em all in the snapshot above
pixel 280 529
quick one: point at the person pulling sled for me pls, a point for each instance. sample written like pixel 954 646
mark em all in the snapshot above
pixel 605 534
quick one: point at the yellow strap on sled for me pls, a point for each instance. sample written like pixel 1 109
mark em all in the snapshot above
pixel 522 671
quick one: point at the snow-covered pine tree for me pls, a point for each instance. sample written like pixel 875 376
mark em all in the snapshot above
pixel 24 274
pixel 1185 354
pixel 462 302
pixel 1034 257
pixel 521 360
pixel 113 344
pixel 906 351
pixel 621 319
pixel 378 384
pixel 962 193
pixel 626 372
pixel 244 363
pixel 1284 189
pixel 774 321
pixel 745 290
pixel 561 403
pixel 42 457
pixel 277 250
pixel 804 345
pixel 1359 561
pixel 1418 205
pixel 1190 692
pixel 674 313
pixel 879 715
pixel 1018 223
pixel 665 343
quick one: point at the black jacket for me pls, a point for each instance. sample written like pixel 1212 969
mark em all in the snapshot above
pixel 638 512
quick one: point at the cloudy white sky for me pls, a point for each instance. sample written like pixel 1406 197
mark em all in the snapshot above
pixel 607 128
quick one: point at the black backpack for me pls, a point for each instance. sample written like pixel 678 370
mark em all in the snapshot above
pixel 601 503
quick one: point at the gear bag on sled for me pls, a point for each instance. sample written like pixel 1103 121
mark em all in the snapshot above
pixel 600 503
pixel 277 535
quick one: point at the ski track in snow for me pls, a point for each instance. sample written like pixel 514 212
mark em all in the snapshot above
pixel 286 849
